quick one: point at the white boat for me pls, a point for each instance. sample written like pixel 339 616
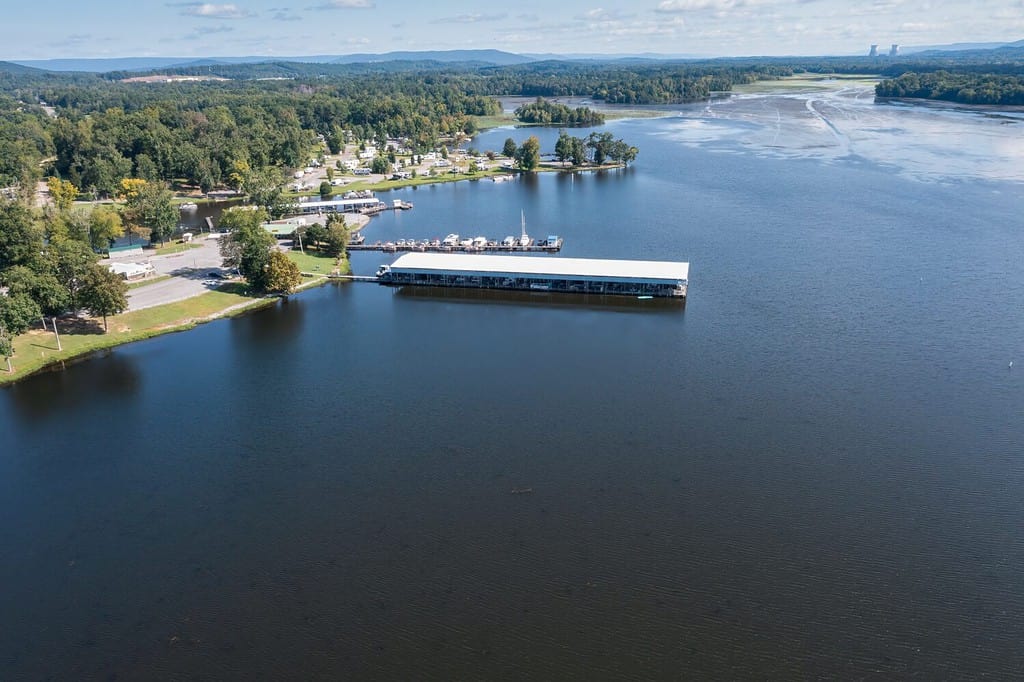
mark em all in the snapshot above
pixel 451 240
pixel 524 239
pixel 188 206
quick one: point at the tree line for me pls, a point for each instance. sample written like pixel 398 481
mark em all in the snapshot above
pixel 552 113
pixel 48 268
pixel 964 88
pixel 597 149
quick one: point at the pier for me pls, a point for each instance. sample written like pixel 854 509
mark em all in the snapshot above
pixel 552 244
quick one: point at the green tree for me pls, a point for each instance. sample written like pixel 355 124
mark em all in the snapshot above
pixel 315 234
pixel 282 274
pixel 62 192
pixel 325 190
pixel 104 227
pixel 247 245
pixel 103 293
pixel 336 241
pixel 578 151
pixel 42 286
pixel 17 312
pixel 528 155
pixel 380 165
pixel 155 211
pixel 600 145
pixel 509 149
pixel 21 239
pixel 70 261
pixel 7 350
pixel 563 148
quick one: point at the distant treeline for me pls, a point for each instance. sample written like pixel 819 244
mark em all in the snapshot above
pixel 268 117
pixel 545 112
pixel 965 88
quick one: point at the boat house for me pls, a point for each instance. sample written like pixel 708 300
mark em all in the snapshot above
pixel 539 273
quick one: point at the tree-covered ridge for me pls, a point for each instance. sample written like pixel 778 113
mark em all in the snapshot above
pixel 97 130
pixel 545 112
pixel 964 88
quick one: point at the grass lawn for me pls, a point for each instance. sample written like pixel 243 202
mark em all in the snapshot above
pixel 485 122
pixel 315 262
pixel 176 247
pixel 37 348
pixel 425 180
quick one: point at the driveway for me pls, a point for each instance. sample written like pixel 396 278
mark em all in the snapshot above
pixel 190 276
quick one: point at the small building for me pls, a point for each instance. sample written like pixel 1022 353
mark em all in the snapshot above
pixel 284 229
pixel 132 272
pixel 120 249
pixel 340 205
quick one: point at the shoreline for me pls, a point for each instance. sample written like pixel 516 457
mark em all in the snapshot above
pixel 53 359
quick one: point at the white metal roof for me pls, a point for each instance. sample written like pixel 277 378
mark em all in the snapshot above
pixel 545 265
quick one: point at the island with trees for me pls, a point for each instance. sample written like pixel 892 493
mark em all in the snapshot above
pixel 544 112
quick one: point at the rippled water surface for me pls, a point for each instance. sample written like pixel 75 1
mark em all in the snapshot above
pixel 815 468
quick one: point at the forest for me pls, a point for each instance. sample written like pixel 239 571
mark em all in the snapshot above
pixel 963 88
pixel 96 129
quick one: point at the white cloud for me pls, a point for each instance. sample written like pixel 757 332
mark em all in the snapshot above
pixel 679 6
pixel 469 18
pixel 210 11
pixel 346 4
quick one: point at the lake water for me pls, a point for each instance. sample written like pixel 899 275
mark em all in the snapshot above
pixel 814 469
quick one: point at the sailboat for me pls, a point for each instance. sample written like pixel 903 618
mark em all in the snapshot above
pixel 524 239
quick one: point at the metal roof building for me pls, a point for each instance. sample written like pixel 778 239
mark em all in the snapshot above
pixel 570 275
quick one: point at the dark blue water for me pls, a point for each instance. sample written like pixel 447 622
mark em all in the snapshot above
pixel 815 469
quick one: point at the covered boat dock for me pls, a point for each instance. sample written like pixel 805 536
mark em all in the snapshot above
pixel 537 273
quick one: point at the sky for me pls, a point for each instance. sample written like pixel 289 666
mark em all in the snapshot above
pixel 143 28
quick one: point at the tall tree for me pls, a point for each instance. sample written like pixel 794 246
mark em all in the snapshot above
pixel 148 204
pixel 528 155
pixel 247 245
pixel 104 293
pixel 21 238
pixel 70 262
pixel 563 148
pixel 104 227
pixel 63 193
pixel 509 149
pixel 17 312
pixel 282 274
pixel 336 240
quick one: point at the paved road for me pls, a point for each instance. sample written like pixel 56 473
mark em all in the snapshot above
pixel 190 276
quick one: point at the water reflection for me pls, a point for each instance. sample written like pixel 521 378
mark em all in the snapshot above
pixel 108 374
pixel 196 220
pixel 271 326
pixel 542 299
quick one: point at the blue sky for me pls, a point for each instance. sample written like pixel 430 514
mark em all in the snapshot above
pixel 119 28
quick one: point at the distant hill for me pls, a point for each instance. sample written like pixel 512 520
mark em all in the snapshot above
pixel 102 65
pixel 958 47
pixel 492 57
pixel 20 69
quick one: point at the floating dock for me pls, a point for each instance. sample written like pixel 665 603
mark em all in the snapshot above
pixel 666 279
pixel 552 244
